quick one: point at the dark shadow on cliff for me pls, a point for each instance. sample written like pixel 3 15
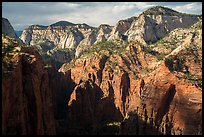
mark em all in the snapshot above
pixel 165 103
pixel 110 121
pixel 89 110
pixel 62 88
pixel 135 125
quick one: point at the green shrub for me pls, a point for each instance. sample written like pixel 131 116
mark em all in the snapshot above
pixel 109 128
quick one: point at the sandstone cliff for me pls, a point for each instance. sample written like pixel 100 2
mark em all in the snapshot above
pixel 26 96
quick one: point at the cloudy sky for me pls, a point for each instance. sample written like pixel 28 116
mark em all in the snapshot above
pixel 23 14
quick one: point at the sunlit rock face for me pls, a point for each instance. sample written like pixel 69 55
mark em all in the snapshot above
pixel 156 23
pixel 149 27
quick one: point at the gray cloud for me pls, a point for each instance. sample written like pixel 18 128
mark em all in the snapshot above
pixel 23 14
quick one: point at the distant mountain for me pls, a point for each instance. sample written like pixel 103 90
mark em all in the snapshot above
pixel 37 27
pixel 63 23
pixel 159 10
pixel 8 30
pixel 18 32
pixel 149 27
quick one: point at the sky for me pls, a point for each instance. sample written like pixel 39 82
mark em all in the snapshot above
pixel 24 14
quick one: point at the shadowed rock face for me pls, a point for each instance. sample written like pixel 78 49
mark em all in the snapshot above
pixel 87 108
pixel 26 97
pixel 34 97
pixel 84 103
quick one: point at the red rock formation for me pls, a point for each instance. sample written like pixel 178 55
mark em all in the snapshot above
pixel 26 96
pixel 136 82
pixel 164 95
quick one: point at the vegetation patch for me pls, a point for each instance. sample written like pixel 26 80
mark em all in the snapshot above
pixel 10 47
pixel 159 56
pixel 46 66
pixel 110 128
pixel 159 10
pixel 176 63
pixel 111 46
